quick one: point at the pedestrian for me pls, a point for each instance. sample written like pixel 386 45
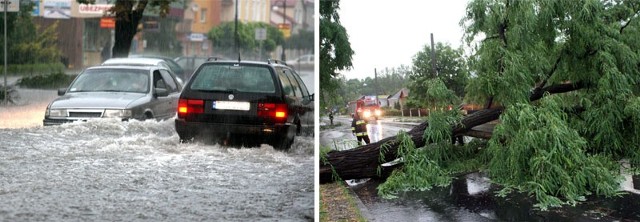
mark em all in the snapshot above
pixel 331 117
pixel 359 129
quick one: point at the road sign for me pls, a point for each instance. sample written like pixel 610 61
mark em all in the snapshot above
pixel 196 37
pixel 285 29
pixel 14 5
pixel 107 23
pixel 261 34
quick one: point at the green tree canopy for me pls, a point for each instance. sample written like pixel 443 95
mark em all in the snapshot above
pixel 128 14
pixel 335 49
pixel 451 68
pixel 223 38
pixel 29 43
pixel 565 146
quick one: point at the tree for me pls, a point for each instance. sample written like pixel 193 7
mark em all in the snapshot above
pixel 451 68
pixel 562 78
pixel 128 14
pixel 223 38
pixel 335 49
pixel 28 44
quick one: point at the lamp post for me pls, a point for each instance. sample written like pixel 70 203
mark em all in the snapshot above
pixel 284 17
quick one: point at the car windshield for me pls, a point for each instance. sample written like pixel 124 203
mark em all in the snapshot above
pixel 234 78
pixel 112 80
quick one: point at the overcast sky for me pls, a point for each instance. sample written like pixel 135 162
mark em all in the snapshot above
pixel 387 33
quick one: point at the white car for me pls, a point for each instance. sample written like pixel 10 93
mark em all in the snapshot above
pixel 305 62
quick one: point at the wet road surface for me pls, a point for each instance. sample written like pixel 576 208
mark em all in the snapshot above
pixel 108 170
pixel 470 197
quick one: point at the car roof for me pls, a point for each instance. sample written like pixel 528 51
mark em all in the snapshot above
pixel 122 66
pixel 134 61
pixel 270 62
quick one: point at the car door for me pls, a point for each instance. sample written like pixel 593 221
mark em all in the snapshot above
pixel 299 106
pixel 308 111
pixel 169 104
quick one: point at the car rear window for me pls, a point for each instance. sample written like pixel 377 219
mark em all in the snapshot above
pixel 225 77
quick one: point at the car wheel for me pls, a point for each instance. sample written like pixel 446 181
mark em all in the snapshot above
pixel 185 137
pixel 282 143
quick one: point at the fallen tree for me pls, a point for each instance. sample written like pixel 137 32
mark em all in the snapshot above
pixel 364 161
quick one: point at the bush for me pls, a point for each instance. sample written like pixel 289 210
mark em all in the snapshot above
pixel 31 69
pixel 50 81
pixel 391 112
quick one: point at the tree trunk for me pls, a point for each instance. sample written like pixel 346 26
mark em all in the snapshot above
pixel 363 162
pixel 127 20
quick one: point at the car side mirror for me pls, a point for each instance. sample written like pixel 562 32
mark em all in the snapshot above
pixel 161 92
pixel 62 91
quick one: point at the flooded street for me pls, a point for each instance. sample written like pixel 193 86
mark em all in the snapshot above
pixel 470 197
pixel 108 170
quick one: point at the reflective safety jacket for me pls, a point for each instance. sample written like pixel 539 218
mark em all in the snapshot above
pixel 359 126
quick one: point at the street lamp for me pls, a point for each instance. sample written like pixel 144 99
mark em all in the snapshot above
pixel 284 16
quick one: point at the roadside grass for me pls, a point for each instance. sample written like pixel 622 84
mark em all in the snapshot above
pixel 337 204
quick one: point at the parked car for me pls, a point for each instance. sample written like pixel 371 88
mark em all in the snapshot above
pixel 260 102
pixel 116 91
pixel 305 62
pixel 190 63
pixel 173 65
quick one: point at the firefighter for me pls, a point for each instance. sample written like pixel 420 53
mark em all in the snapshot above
pixel 331 117
pixel 359 129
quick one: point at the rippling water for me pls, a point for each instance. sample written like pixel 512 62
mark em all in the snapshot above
pixel 108 170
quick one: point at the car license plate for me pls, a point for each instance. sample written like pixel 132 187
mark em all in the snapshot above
pixel 231 105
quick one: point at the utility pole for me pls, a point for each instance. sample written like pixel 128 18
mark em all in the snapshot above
pixel 284 17
pixel 5 4
pixel 236 38
pixel 433 58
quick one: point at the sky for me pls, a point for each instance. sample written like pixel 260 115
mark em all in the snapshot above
pixel 387 34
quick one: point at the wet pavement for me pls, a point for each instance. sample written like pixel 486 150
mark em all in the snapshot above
pixel 472 197
pixel 109 170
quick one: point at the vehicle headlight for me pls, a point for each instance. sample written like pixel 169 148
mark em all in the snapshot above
pixel 367 114
pixel 56 113
pixel 378 112
pixel 117 113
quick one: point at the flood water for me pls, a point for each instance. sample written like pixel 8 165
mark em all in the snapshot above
pixel 472 198
pixel 108 170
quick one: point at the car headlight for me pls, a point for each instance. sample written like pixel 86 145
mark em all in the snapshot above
pixel 117 113
pixel 56 113
pixel 378 112
pixel 367 114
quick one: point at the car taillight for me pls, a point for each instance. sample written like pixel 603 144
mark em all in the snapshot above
pixel 276 111
pixel 189 106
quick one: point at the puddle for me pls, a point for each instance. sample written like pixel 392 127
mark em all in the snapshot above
pixel 472 198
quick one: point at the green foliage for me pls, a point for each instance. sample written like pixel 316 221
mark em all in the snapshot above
pixel 223 38
pixel 30 69
pixel 335 49
pixel 27 45
pixel 418 173
pixel 564 147
pixel 535 150
pixel 433 165
pixel 50 81
pixel 451 68
pixel 435 94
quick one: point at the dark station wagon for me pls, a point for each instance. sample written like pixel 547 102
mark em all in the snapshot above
pixel 255 102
